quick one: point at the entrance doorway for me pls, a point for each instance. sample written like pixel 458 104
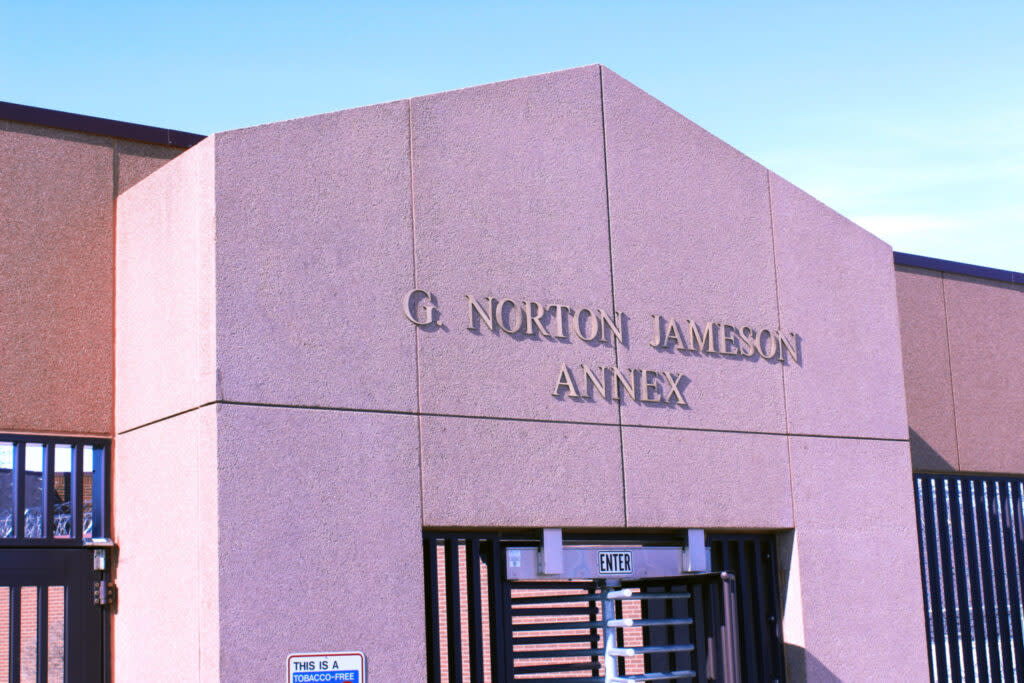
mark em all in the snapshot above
pixel 486 623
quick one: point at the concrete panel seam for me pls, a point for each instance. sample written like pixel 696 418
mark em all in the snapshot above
pixel 416 284
pixel 778 312
pixel 949 360
pixel 611 279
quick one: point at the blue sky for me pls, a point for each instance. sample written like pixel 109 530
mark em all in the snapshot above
pixel 906 117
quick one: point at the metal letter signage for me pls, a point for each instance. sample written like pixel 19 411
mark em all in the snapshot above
pixel 327 667
pixel 421 308
pixel 521 318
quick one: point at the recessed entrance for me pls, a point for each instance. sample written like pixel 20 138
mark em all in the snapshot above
pixel 488 620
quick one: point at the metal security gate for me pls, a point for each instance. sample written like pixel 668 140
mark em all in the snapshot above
pixel 971 535
pixel 54 629
pixel 55 590
pixel 483 627
pixel 751 558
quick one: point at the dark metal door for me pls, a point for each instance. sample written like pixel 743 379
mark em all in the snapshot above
pixel 50 626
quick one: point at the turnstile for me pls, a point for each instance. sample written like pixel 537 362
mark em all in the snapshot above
pixel 504 607
pixel 612 614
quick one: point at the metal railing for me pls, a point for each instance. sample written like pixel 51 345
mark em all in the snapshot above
pixel 971 535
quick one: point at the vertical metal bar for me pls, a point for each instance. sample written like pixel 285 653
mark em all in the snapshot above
pixel 77 457
pixel 730 631
pixel 948 578
pixel 476 635
pixel 66 636
pixel 18 489
pixel 700 643
pixel 939 637
pixel 611 665
pixel 981 608
pixel 498 608
pixel 952 579
pixel 778 658
pixel 972 626
pixel 998 598
pixel 595 636
pixel 1016 537
pixel 452 589
pixel 42 632
pixel 714 619
pixel 1001 585
pixel 433 609
pixel 746 610
pixel 759 561
pixel 716 556
pixel 926 578
pixel 996 667
pixel 100 492
pixel 46 499
pixel 14 637
pixel 736 566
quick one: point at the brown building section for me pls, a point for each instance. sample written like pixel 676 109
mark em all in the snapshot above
pixel 963 366
pixel 58 187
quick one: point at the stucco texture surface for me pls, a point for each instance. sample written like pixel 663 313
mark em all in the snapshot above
pixel 320 544
pixel 985 324
pixel 165 520
pixel 510 202
pixel 314 257
pixel 56 286
pixel 494 473
pixel 680 478
pixel 685 208
pixel 964 402
pixel 859 578
pixel 136 160
pixel 926 370
pixel 165 291
pixel 837 290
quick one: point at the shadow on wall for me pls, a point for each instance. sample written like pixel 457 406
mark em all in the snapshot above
pixel 800 661
pixel 926 458
pixel 801 665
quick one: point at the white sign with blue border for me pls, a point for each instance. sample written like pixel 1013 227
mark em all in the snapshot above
pixel 327 667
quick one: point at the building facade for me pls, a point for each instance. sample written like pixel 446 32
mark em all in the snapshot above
pixel 326 352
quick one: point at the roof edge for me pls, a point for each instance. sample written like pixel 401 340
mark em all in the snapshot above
pixel 957 268
pixel 94 125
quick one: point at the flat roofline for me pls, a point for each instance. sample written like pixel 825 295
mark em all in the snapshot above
pixel 94 125
pixel 915 261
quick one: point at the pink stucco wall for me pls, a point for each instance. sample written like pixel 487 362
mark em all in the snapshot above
pixel 165 296
pixel 56 295
pixel 270 265
pixel 963 378
pixel 320 547
pixel 165 521
pixel 57 195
